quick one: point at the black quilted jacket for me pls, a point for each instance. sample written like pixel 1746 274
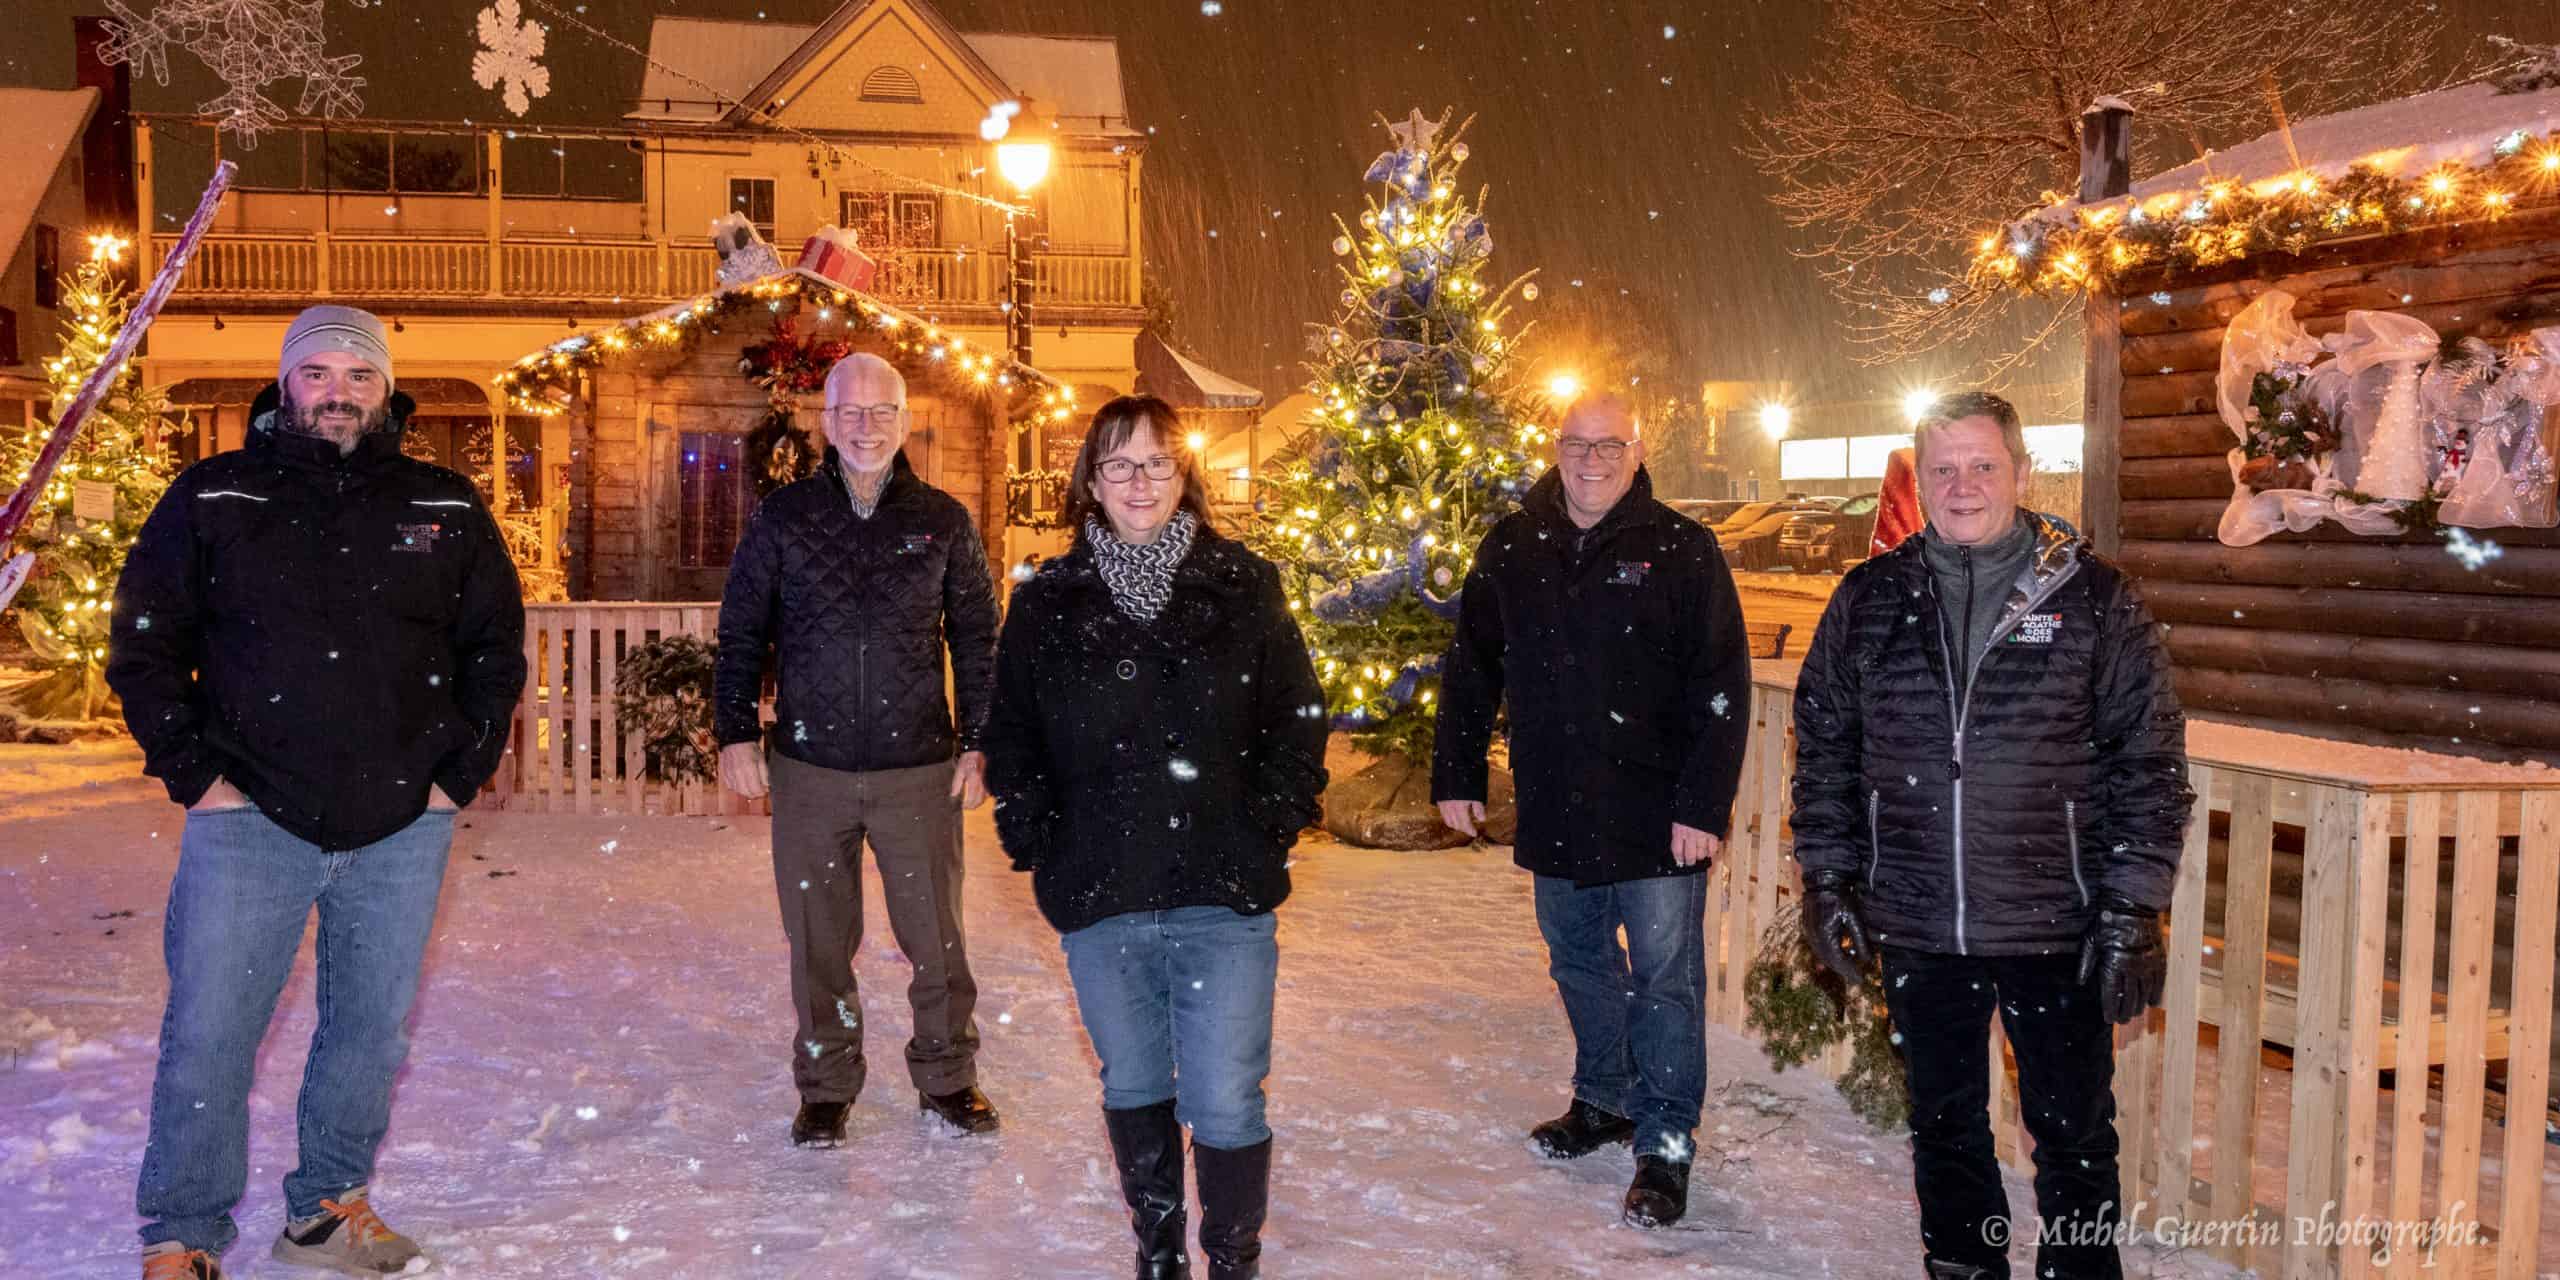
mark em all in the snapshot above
pixel 330 634
pixel 1986 824
pixel 1149 766
pixel 854 614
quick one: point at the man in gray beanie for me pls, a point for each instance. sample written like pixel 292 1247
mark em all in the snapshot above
pixel 319 643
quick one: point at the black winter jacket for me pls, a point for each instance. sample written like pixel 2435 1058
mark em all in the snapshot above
pixel 332 634
pixel 1149 766
pixel 1622 654
pixel 1987 824
pixel 855 614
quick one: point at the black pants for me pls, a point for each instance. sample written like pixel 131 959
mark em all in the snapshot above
pixel 1941 1006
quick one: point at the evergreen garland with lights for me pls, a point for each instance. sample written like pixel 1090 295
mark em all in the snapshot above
pixel 66 605
pixel 1422 438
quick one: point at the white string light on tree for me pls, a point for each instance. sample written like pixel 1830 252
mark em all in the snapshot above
pixel 249 44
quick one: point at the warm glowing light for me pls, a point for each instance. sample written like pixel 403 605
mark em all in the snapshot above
pixel 1024 164
pixel 1197 441
pixel 1916 403
pixel 107 246
pixel 1775 418
pixel 1564 386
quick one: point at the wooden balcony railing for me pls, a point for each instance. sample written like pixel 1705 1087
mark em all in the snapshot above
pixel 291 266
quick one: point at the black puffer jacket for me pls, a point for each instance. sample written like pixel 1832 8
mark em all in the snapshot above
pixel 855 613
pixel 1622 654
pixel 1987 824
pixel 1149 766
pixel 332 634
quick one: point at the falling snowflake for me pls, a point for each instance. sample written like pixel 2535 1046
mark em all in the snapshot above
pixel 511 51
pixel 248 44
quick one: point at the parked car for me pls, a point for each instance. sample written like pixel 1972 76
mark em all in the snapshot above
pixel 1829 541
pixel 1749 537
pixel 1707 511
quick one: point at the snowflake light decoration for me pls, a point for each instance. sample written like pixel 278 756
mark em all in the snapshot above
pixel 511 52
pixel 249 44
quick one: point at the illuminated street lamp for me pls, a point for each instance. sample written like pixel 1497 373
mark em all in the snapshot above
pixel 1564 386
pixel 1023 156
pixel 1775 418
pixel 1915 404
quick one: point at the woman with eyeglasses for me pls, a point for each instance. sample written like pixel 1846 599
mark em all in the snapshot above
pixel 1157 744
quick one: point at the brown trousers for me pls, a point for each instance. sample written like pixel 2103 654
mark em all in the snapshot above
pixel 821 818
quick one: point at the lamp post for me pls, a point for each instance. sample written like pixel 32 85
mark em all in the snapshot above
pixel 1023 159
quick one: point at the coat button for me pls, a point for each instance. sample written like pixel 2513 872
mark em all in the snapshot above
pixel 1571 660
pixel 1127 669
pixel 1173 741
pixel 1119 744
pixel 1572 730
pixel 1575 797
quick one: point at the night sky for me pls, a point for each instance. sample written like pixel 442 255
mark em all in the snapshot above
pixel 1606 132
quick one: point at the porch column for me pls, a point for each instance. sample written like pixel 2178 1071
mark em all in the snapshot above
pixel 497 225
pixel 142 212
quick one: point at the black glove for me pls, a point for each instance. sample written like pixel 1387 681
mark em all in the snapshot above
pixel 1833 927
pixel 2123 952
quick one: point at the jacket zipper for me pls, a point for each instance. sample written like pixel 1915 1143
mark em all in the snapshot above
pixel 2071 822
pixel 1963 708
pixel 1875 841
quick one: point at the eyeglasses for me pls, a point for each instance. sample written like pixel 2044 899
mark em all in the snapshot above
pixel 860 412
pixel 1604 450
pixel 1122 470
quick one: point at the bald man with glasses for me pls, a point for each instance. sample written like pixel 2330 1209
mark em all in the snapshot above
pixel 850 585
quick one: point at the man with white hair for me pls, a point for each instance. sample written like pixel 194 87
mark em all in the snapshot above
pixel 1608 624
pixel 850 584
pixel 319 643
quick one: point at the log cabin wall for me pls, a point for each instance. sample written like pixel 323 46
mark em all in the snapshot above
pixel 627 431
pixel 2388 639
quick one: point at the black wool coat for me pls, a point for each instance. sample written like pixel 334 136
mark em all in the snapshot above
pixel 332 634
pixel 1988 822
pixel 854 615
pixel 1621 653
pixel 1150 766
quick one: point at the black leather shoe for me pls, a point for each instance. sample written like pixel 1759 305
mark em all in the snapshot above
pixel 1660 1193
pixel 1581 1130
pixel 966 1110
pixel 820 1124
pixel 1146 1147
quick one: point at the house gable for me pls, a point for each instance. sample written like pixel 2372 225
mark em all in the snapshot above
pixel 881 66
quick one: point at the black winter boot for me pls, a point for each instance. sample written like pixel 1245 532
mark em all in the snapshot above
pixel 1940 1270
pixel 1235 1197
pixel 1581 1130
pixel 1659 1194
pixel 1146 1144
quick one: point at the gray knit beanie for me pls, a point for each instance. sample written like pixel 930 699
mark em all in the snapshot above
pixel 333 328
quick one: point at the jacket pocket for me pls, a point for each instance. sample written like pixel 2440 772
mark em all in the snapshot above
pixel 1875 838
pixel 2071 826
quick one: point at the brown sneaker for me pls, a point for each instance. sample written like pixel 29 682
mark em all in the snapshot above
pixel 349 1238
pixel 170 1260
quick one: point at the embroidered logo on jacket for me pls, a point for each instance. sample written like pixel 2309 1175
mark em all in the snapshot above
pixel 1630 573
pixel 915 544
pixel 2037 628
pixel 419 538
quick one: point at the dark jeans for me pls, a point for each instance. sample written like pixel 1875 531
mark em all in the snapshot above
pixel 1639 1011
pixel 821 818
pixel 245 888
pixel 1179 1007
pixel 1941 1006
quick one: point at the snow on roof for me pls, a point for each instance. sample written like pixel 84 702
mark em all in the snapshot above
pixel 1188 383
pixel 729 56
pixel 44 124
pixel 2402 138
pixel 1077 77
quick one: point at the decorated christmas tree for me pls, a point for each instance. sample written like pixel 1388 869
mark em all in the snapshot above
pixel 86 519
pixel 1420 441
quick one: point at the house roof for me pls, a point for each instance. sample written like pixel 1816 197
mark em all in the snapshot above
pixel 2403 138
pixel 1187 383
pixel 1077 77
pixel 44 125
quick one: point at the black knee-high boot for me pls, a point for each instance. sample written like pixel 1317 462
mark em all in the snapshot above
pixel 1235 1197
pixel 1146 1144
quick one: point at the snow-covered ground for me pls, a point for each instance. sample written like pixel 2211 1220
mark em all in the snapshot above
pixel 598 1087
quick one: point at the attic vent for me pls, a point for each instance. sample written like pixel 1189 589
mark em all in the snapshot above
pixel 891 84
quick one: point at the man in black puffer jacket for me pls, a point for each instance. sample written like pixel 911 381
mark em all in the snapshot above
pixel 850 584
pixel 319 643
pixel 1608 624
pixel 1991 790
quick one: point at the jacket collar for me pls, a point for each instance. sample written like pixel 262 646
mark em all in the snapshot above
pixel 903 481
pixel 2056 548
pixel 1545 500
pixel 372 450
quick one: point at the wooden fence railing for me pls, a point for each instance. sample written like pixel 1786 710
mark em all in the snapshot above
pixel 2377 934
pixel 568 753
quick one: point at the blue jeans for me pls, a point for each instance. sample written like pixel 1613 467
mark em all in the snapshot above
pixel 1638 1012
pixel 1179 1006
pixel 236 911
